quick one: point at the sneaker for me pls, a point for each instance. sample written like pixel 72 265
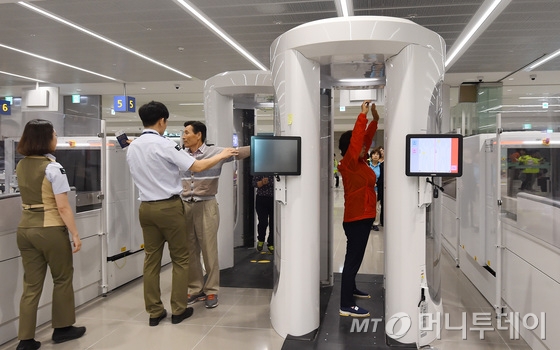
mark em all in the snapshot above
pixel 28 344
pixel 260 246
pixel 193 298
pixel 60 335
pixel 211 301
pixel 354 311
pixel 271 248
pixel 375 228
pixel 359 294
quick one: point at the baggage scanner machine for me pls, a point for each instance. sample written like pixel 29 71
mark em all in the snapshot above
pixel 414 71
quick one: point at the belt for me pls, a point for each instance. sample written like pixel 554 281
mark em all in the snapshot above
pixel 167 199
pixel 32 206
pixel 196 200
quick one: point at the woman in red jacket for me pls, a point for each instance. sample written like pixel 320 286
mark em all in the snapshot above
pixel 359 205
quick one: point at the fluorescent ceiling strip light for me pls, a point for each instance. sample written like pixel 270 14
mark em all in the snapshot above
pixel 543 60
pixel 344 8
pixel 214 27
pixel 458 48
pixel 100 37
pixel 538 97
pixel 192 104
pixel 55 61
pixel 361 80
pixel 21 76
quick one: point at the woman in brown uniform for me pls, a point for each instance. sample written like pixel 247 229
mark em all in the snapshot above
pixel 42 235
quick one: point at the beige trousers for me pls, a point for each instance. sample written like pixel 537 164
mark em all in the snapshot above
pixel 203 219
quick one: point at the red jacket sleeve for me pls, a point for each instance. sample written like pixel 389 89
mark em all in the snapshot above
pixel 360 137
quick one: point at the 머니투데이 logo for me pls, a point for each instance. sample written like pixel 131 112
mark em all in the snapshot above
pixel 405 324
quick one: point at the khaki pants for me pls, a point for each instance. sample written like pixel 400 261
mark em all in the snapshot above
pixel 163 221
pixel 41 247
pixel 203 220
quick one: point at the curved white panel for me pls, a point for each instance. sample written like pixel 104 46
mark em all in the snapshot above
pixel 411 78
pixel 218 106
pixel 297 239
pixel 322 39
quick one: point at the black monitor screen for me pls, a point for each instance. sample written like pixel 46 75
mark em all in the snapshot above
pixel 275 155
pixel 434 155
pixel 83 167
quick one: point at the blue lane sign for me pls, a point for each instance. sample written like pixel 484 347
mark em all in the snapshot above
pixel 5 107
pixel 124 104
pixel 130 104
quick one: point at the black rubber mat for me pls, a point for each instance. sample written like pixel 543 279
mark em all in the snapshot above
pixel 336 332
pixel 251 269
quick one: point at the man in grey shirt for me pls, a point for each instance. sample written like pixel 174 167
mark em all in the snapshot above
pixel 202 214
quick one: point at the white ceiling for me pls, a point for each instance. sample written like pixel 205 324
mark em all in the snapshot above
pixel 525 30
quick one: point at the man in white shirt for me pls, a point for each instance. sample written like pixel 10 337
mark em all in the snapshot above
pixel 155 164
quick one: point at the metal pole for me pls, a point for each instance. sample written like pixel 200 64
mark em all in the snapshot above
pixel 499 243
pixel 104 209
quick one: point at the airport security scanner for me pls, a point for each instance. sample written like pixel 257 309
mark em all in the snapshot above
pixel 306 62
pixel 230 100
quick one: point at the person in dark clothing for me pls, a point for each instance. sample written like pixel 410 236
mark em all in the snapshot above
pixel 264 205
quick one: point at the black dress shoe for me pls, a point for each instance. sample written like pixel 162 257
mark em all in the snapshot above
pixel 179 318
pixel 28 344
pixel 154 321
pixel 60 335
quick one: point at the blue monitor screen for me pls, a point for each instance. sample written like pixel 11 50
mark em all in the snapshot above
pixel 275 155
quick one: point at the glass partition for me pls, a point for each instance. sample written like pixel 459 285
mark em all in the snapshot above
pixel 79 155
pixel 533 170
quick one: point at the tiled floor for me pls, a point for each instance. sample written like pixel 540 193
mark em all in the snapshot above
pixel 241 321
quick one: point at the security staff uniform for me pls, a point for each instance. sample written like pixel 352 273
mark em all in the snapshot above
pixel 155 163
pixel 42 238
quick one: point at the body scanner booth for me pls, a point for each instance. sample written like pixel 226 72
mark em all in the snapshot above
pixel 222 123
pixel 414 68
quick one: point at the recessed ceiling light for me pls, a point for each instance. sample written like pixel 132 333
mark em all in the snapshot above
pixel 143 88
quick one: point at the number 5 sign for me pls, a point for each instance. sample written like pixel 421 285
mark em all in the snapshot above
pixel 124 104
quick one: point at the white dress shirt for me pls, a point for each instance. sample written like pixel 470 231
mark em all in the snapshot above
pixel 155 164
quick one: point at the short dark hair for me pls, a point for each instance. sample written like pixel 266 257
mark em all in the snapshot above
pixel 151 112
pixel 198 127
pixel 344 142
pixel 376 150
pixel 36 138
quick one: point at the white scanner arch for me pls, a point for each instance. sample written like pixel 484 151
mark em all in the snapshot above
pixel 219 93
pixel 414 70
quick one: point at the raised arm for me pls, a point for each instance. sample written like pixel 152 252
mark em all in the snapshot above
pixel 203 164
pixel 244 152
